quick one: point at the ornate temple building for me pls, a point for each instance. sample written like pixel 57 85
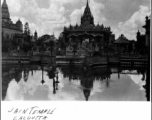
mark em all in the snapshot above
pixel 86 37
pixel 122 43
pixel 9 29
pixel 48 42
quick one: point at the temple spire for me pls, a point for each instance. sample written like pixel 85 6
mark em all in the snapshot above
pixel 87 15
pixel 87 9
pixel 86 94
pixel 138 33
pixel 4 2
pixel 5 11
pixel 4 5
pixel 87 3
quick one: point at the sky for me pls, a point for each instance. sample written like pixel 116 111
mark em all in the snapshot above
pixel 50 16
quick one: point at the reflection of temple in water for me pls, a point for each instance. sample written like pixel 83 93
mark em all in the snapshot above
pixel 5 82
pixel 14 72
pixel 53 74
pixel 87 77
pixel 9 74
pixel 147 85
pixel 26 74
pixel 145 77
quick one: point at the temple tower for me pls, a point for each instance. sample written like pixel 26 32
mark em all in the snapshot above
pixel 5 12
pixel 138 36
pixel 87 17
pixel 35 35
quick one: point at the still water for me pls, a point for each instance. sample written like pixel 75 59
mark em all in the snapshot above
pixel 64 83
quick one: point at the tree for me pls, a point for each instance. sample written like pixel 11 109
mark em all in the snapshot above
pixel 27 46
pixel 26 29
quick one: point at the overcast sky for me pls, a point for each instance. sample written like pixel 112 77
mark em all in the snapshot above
pixel 48 16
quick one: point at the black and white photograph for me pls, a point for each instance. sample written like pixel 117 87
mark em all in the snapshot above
pixel 75 59
pixel 76 50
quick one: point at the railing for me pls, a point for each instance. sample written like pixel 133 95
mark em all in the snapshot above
pixel 113 59
pixel 97 59
pixel 16 57
pixel 133 56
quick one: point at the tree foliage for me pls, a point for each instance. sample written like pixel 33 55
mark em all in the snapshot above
pixel 26 29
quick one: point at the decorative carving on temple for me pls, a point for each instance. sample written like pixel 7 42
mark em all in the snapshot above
pixel 87 27
pixel 87 30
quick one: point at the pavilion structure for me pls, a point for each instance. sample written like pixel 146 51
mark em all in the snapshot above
pixel 86 37
pixel 122 44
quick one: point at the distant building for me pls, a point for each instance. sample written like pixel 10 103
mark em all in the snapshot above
pixel 34 39
pixel 47 43
pixel 143 41
pixel 87 35
pixel 35 35
pixel 122 44
pixel 132 47
pixel 9 29
pixel 147 27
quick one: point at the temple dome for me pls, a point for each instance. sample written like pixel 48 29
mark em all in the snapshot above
pixel 19 22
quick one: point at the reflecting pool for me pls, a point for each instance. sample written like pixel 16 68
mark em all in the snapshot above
pixel 65 83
